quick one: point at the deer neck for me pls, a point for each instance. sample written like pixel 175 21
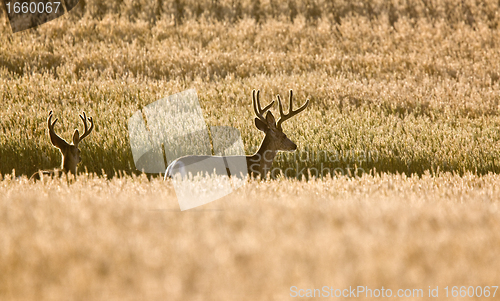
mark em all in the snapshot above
pixel 68 165
pixel 260 163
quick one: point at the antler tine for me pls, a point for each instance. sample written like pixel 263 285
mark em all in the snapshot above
pixel 54 138
pixel 256 106
pixel 87 130
pixel 291 112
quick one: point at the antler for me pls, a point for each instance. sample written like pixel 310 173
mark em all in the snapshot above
pixel 54 138
pixel 291 112
pixel 256 106
pixel 87 130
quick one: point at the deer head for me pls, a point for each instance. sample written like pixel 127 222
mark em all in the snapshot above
pixel 70 152
pixel 277 140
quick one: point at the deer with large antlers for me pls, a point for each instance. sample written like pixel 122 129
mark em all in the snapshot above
pixel 258 164
pixel 69 151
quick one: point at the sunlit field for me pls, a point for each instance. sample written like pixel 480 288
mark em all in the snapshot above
pixel 125 238
pixel 420 94
pixel 395 180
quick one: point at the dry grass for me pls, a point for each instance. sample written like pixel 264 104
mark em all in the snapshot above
pixel 422 91
pixel 125 238
pixel 400 87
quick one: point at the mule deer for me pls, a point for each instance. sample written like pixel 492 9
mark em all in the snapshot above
pixel 70 152
pixel 258 164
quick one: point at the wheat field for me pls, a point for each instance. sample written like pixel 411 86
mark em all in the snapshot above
pixel 125 238
pixel 404 119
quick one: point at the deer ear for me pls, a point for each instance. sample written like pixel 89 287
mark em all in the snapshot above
pixel 271 122
pixel 261 125
pixel 76 137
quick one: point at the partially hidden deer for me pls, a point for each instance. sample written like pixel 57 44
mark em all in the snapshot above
pixel 70 152
pixel 258 164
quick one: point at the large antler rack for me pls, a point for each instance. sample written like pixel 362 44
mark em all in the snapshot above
pixel 54 138
pixel 256 106
pixel 291 112
pixel 87 130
